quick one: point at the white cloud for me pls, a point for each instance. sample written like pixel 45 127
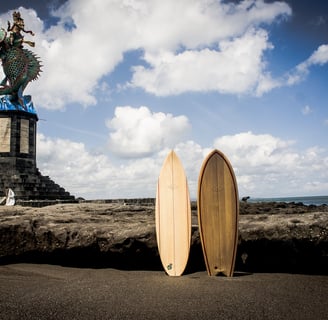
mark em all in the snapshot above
pixel 318 57
pixel 294 76
pixel 94 176
pixel 71 165
pixel 264 165
pixel 266 83
pixel 252 151
pixel 139 132
pixel 170 25
pixel 91 37
pixel 193 45
pixel 235 67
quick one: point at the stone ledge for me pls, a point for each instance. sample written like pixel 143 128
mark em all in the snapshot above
pixel 117 234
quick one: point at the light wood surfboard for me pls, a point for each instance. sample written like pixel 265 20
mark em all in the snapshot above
pixel 173 216
pixel 218 209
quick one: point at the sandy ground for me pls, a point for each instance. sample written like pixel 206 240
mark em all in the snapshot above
pixel 36 291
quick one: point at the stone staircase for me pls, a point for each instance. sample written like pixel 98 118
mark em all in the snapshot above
pixel 30 184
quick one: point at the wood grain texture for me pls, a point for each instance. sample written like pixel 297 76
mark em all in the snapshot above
pixel 173 216
pixel 218 209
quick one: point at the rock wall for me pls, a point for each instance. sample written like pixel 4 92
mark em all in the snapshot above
pixel 121 235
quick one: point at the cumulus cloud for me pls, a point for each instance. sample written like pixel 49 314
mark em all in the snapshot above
pixel 91 36
pixel 253 151
pixel 264 165
pixel 95 176
pixel 70 164
pixel 137 132
pixel 235 67
pixel 193 45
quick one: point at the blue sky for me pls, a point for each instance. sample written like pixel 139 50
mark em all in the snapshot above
pixel 124 82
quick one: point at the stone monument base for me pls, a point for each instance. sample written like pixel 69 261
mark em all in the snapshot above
pixel 18 170
pixel 29 184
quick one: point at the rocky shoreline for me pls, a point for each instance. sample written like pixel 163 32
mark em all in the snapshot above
pixel 273 237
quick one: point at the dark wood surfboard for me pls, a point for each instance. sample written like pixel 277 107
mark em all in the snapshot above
pixel 173 216
pixel 218 209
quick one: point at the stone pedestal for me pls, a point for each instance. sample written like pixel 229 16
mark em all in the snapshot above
pixel 18 169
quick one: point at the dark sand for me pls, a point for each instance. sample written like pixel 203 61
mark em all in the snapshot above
pixel 36 291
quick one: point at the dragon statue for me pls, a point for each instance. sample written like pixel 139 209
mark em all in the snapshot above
pixel 20 65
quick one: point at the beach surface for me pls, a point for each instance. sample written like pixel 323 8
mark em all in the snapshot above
pixel 42 291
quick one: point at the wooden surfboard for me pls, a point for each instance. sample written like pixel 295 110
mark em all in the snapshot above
pixel 173 216
pixel 218 209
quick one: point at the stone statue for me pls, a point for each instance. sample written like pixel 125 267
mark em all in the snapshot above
pixel 15 37
pixel 20 65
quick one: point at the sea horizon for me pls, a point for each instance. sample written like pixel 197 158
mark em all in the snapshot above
pixel 306 200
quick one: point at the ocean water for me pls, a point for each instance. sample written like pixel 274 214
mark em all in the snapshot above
pixel 314 200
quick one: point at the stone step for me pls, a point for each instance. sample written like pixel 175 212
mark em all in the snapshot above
pixel 32 186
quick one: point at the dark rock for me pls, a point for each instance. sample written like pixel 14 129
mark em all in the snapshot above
pixel 244 199
pixel 279 208
pixel 121 234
